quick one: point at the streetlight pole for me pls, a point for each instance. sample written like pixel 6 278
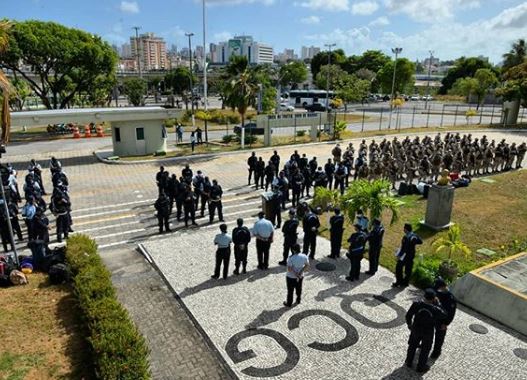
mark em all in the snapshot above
pixel 205 84
pixel 137 50
pixel 396 51
pixel 428 79
pixel 189 35
pixel 329 46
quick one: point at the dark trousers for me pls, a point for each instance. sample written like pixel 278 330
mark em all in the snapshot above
pixel 262 252
pixel 373 257
pixel 339 184
pixel 62 227
pixel 16 227
pixel 310 243
pixel 330 181
pixel 293 285
pixel 251 171
pixel 425 340
pixel 259 180
pixel 179 208
pixel 277 217
pixel 204 200
pixel 213 206
pixel 336 244
pixel 268 181
pixel 223 255
pixel 296 197
pixel 305 190
pixel 355 266
pixel 288 245
pixel 190 214
pixel 162 220
pixel 6 238
pixel 240 257
pixel 439 340
pixel 29 226
pixel 407 264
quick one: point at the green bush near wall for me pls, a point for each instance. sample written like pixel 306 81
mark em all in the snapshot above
pixel 119 351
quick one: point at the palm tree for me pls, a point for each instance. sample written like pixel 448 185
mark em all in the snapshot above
pixel 5 86
pixel 373 197
pixel 516 55
pixel 242 88
pixel 452 243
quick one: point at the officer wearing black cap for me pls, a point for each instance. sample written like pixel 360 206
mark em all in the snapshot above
pixel 290 235
pixel 310 224
pixel 241 236
pixel 375 245
pixel 422 318
pixel 336 230
pixel 449 305
pixel 162 207
pixel 216 193
pixel 355 253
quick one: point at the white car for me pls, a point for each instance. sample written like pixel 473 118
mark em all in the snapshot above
pixel 286 107
pixel 428 97
pixel 415 97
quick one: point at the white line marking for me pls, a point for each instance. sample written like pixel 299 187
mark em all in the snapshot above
pixel 108 227
pixel 120 233
pixel 102 213
pixel 112 206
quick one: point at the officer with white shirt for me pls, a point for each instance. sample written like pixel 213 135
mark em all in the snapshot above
pixel 297 264
pixel 223 253
pixel 263 230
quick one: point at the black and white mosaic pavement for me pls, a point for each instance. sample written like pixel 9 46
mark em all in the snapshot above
pixel 341 330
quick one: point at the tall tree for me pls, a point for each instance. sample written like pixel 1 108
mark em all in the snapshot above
pixel 353 90
pixel 515 56
pixel 135 90
pixel 67 61
pixel 464 67
pixel 486 81
pixel 404 76
pixel 338 57
pixel 465 87
pixel 515 86
pixel 19 94
pixel 336 77
pixel 292 74
pixel 179 81
pixel 372 60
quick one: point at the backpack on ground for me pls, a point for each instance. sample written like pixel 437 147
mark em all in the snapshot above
pixel 59 274
pixel 17 278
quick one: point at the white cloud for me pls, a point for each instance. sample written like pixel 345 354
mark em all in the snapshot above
pixel 236 2
pixel 364 8
pixel 129 7
pixel 380 21
pixel 325 5
pixel 311 20
pixel 430 11
pixel 222 36
pixel 449 40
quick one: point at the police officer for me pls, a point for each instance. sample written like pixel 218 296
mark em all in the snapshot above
pixel 205 195
pixel 187 174
pixel 251 163
pixel 308 182
pixel 173 185
pixel 297 182
pixel 276 202
pixel 355 253
pixel 421 318
pixel 449 305
pixel 159 178
pixel 269 171
pixel 405 257
pixel 340 176
pixel 310 224
pixel 60 205
pixel 223 253
pixel 375 238
pixel 188 206
pixel 241 236
pixel 336 223
pixel 162 207
pixel 216 193
pixel 259 172
pixel 329 168
pixel 280 184
pixel 180 197
pixel 275 159
pixel 13 215
pixel 197 182
pixel 290 235
pixel 362 220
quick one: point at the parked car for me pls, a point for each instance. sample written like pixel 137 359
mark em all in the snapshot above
pixel 428 97
pixel 316 107
pixel 415 97
pixel 286 107
pixel 250 129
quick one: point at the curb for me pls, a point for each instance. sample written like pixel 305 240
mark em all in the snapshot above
pixel 245 151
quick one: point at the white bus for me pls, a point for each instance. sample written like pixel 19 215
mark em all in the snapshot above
pixel 302 98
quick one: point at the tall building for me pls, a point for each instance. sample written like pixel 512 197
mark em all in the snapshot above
pixel 126 50
pixel 286 55
pixel 152 51
pixel 256 53
pixel 198 52
pixel 308 52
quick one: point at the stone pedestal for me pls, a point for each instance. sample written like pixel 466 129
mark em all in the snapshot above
pixel 439 207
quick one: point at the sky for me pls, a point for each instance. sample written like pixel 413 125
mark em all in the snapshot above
pixel 449 28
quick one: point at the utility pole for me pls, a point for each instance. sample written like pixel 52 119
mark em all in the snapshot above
pixel 189 35
pixel 396 51
pixel 205 84
pixel 329 46
pixel 137 50
pixel 428 81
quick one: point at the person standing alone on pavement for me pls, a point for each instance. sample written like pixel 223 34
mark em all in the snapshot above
pixel 310 224
pixel 263 230
pixel 405 257
pixel 223 253
pixel 336 231
pixel 297 264
pixel 421 318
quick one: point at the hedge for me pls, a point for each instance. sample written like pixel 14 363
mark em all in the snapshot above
pixel 119 351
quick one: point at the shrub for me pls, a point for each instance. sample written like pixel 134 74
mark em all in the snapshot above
pixel 250 139
pixel 301 133
pixel 228 138
pixel 169 123
pixel 118 349
pixel 425 272
pixel 233 119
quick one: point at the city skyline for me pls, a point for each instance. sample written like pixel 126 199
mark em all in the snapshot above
pixel 451 28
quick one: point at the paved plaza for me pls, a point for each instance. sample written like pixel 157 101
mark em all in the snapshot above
pixel 114 205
